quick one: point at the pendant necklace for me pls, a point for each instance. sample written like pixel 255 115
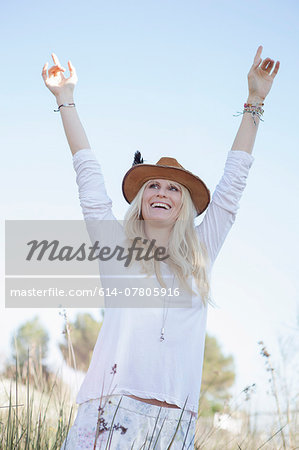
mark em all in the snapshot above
pixel 165 313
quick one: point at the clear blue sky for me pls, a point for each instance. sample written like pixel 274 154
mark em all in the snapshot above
pixel 164 77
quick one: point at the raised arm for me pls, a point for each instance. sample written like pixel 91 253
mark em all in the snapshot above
pixel 63 90
pixel 223 208
pixel 95 203
pixel 260 81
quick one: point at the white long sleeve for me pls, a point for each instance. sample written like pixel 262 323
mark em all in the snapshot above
pixel 94 201
pixel 221 212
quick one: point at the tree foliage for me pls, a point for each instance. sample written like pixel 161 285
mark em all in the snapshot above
pixel 33 337
pixel 79 340
pixel 218 376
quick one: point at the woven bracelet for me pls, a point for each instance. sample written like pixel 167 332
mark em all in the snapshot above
pixel 254 110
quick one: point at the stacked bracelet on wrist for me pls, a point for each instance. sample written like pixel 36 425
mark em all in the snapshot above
pixel 255 109
pixel 64 104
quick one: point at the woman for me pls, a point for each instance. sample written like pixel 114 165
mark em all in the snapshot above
pixel 144 379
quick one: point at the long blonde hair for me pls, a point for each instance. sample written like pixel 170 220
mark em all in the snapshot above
pixel 187 256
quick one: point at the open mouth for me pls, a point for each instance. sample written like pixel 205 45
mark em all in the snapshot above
pixel 160 205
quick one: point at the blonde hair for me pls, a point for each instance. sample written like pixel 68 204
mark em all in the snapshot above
pixel 187 256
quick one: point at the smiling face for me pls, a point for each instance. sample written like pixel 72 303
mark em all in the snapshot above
pixel 161 201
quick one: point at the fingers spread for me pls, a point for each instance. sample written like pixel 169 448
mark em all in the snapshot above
pixel 258 63
pixel 276 68
pixel 270 66
pixel 267 66
pixel 55 60
pixel 71 68
pixel 73 73
pixel 44 71
pixel 257 59
pixel 265 63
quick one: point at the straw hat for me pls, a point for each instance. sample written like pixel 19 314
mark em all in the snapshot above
pixel 168 169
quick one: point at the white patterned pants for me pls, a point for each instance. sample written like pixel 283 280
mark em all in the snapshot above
pixel 134 426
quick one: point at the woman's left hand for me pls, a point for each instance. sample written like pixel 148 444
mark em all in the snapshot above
pixel 260 78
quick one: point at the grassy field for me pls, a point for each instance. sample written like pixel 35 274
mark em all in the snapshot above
pixel 37 411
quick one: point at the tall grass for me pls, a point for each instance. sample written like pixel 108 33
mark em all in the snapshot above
pixel 37 411
pixel 39 417
pixel 281 434
pixel 31 416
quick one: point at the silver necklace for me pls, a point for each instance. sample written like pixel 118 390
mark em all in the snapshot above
pixel 165 313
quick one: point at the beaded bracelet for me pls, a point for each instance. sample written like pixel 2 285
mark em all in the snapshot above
pixel 253 109
pixel 64 104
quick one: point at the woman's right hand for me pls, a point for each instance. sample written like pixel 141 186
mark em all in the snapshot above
pixel 56 82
